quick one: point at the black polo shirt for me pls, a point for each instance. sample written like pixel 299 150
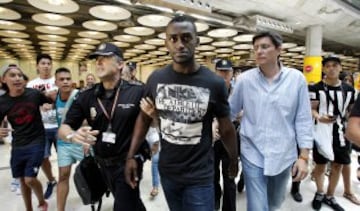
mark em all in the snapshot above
pixel 86 106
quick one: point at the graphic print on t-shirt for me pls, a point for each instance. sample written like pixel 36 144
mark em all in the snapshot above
pixel 181 109
pixel 333 101
pixel 22 113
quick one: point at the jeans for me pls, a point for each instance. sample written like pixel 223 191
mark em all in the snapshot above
pixel 181 197
pixel 155 170
pixel 265 193
pixel 50 139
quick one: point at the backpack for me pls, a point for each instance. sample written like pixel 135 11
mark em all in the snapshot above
pixel 89 182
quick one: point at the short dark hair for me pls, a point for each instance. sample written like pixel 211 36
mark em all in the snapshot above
pixel 275 37
pixel 62 70
pixel 42 56
pixel 183 18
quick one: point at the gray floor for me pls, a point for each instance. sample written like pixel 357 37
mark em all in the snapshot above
pixel 9 201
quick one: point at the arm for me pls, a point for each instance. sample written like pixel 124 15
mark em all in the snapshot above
pixel 84 135
pixel 303 131
pixel 141 127
pixel 236 100
pixel 353 130
pixel 4 130
pixel 353 127
pixel 228 137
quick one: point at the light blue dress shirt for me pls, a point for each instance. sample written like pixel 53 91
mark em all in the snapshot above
pixel 276 118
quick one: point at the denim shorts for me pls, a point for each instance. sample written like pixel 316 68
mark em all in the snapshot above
pixel 26 161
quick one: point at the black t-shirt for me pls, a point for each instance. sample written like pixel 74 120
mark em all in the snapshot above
pixel 86 106
pixel 342 96
pixel 187 104
pixel 24 116
pixel 356 108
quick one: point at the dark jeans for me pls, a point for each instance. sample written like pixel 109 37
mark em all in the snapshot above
pixel 125 197
pixel 181 197
pixel 229 197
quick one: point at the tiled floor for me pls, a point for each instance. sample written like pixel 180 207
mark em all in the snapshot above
pixel 9 201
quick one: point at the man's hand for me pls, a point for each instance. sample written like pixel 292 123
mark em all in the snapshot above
pixel 85 135
pixel 131 176
pixel 233 168
pixel 4 132
pixel 148 107
pixel 299 170
pixel 326 119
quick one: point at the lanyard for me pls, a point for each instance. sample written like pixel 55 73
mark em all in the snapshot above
pixel 109 117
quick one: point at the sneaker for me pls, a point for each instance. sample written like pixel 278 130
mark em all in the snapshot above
pixel 18 191
pixel 331 202
pixel 49 189
pixel 318 199
pixel 43 207
pixel 14 185
pixel 297 196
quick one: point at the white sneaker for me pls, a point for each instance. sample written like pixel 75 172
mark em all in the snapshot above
pixel 14 185
pixel 18 191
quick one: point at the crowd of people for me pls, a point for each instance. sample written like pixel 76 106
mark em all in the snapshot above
pixel 187 119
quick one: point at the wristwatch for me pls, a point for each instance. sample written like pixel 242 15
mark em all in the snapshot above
pixel 70 136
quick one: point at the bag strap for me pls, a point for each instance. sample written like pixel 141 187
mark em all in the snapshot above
pixel 68 103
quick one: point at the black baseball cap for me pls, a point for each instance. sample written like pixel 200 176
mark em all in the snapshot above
pixel 223 64
pixel 131 65
pixel 106 49
pixel 331 58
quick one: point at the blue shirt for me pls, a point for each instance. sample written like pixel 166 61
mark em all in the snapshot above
pixel 276 119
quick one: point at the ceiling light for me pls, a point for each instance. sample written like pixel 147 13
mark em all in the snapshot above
pixel 222 33
pixel 109 12
pixel 154 20
pixel 56 2
pixel 128 2
pixel 57 6
pixel 8 14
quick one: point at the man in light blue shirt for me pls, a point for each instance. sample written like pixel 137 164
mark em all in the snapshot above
pixel 276 120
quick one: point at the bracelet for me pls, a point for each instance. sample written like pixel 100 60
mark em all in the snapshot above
pixel 304 158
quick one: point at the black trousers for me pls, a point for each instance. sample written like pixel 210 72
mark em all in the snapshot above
pixel 229 196
pixel 125 198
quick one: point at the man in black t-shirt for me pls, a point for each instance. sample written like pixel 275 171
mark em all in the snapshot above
pixel 331 100
pixel 353 127
pixel 21 107
pixel 187 97
pixel 110 108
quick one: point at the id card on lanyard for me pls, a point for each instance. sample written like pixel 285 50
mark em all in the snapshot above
pixel 108 136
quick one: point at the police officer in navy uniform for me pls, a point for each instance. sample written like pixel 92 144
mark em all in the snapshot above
pixel 110 108
pixel 223 68
pixel 132 70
